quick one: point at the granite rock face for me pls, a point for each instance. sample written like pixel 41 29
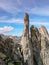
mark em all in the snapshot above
pixel 31 49
pixel 37 43
pixel 26 44
pixel 44 45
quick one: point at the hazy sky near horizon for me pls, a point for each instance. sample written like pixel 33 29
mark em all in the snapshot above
pixel 12 15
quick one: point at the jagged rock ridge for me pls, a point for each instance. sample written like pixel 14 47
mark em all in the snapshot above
pixel 38 44
pixel 30 49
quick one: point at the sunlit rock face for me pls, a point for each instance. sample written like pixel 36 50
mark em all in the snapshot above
pixel 32 49
pixel 43 31
pixel 26 44
pixel 44 45
pixel 36 45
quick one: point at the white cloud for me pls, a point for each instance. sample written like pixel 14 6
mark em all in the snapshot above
pixel 9 6
pixel 12 20
pixel 21 21
pixel 39 23
pixel 5 29
pixel 19 2
pixel 44 11
pixel 12 6
pixel 3 17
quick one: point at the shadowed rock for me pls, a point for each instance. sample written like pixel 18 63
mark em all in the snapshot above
pixel 36 45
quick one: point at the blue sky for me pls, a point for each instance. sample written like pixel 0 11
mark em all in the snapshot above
pixel 12 15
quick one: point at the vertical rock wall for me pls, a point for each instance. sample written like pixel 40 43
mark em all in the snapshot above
pixel 36 45
pixel 44 45
pixel 26 45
